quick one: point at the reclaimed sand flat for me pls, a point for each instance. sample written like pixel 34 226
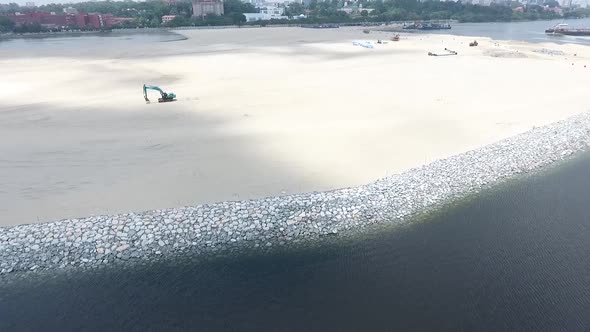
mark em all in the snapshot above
pixel 261 112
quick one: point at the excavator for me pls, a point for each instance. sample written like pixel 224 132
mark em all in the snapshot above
pixel 165 96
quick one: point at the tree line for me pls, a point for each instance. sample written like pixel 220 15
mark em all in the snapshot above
pixel 144 14
pixel 149 13
pixel 409 10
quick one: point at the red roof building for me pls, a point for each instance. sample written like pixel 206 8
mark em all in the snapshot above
pixel 80 20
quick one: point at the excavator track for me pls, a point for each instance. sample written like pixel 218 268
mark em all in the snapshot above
pixel 166 97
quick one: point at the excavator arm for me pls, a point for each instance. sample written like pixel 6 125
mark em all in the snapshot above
pixel 165 96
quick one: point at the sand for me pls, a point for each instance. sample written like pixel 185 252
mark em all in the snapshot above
pixel 260 112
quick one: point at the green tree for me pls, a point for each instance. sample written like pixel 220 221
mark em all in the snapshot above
pixel 179 21
pixel 32 27
pixel 313 4
pixel 6 25
pixel 184 8
pixel 155 22
pixel 364 13
pixel 128 24
pixel 238 18
pixel 11 8
pixel 294 9
pixel 551 3
pixel 237 6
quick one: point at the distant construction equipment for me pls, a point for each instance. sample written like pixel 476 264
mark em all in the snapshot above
pixel 165 96
pixel 447 52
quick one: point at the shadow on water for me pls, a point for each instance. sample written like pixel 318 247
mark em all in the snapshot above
pixel 513 258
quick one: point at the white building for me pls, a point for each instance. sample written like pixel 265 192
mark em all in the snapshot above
pixel 355 10
pixel 204 7
pixel 250 17
pixel 273 11
pixel 167 18
pixel 70 11
pixel 266 13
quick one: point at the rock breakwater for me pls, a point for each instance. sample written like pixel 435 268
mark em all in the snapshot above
pixel 262 223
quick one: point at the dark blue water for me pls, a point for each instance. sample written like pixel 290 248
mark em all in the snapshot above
pixel 514 258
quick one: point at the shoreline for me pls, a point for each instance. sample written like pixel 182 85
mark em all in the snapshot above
pixel 93 33
pixel 373 26
pixel 278 221
pixel 338 125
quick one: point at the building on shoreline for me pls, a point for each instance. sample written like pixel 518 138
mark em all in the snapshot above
pixel 69 19
pixel 266 13
pixel 70 11
pixel 167 18
pixel 202 8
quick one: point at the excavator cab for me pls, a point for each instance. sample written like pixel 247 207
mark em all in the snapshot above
pixel 165 96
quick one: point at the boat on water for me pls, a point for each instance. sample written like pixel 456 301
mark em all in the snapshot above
pixel 564 29
pixel 427 26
